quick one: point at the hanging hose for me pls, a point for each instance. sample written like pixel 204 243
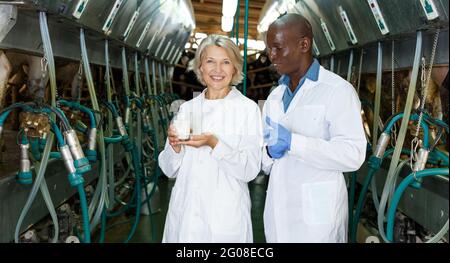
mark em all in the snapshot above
pixel 376 112
pixel 139 136
pixel 425 89
pixel 150 132
pixel 407 111
pixel 137 170
pixel 82 108
pixel 351 201
pixel 130 147
pixel 238 15
pixel 154 78
pixel 41 166
pixel 360 70
pixel 161 78
pixel 103 227
pixel 147 77
pixel 398 193
pixel 375 163
pixel 48 51
pixel 85 214
pixel 245 47
pixel 126 85
pixel 110 149
pixel 389 187
pixel 154 134
pixel 92 94
pixel 350 65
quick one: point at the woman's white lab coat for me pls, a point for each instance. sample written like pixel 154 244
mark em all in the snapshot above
pixel 210 201
pixel 307 195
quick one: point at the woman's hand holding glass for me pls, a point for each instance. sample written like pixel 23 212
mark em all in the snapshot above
pixel 204 139
pixel 173 138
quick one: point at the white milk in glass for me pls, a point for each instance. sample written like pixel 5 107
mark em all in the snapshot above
pixel 182 126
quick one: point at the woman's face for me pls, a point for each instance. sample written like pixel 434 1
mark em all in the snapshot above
pixel 217 68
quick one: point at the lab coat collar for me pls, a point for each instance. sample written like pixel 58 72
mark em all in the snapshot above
pixel 231 95
pixel 311 74
pixel 308 84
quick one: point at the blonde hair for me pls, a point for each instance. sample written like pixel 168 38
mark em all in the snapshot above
pixel 232 51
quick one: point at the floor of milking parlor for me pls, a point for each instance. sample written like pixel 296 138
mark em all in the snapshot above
pixel 144 234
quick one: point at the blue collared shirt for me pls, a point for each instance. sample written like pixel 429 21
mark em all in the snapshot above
pixel 312 74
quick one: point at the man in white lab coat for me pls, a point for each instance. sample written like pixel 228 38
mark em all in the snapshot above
pixel 314 133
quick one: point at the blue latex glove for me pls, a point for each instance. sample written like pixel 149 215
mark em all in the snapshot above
pixel 278 139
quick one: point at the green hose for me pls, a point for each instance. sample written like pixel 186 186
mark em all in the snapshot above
pixel 137 170
pixel 373 168
pixel 103 227
pixel 399 192
pixel 389 187
pixel 360 205
pixel 351 202
pixel 85 214
pixel 245 47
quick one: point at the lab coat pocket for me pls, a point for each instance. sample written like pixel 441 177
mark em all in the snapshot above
pixel 226 212
pixel 309 120
pixel 318 201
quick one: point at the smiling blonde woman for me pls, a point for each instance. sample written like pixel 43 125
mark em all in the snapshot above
pixel 210 201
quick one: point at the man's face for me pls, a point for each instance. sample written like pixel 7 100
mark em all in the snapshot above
pixel 283 49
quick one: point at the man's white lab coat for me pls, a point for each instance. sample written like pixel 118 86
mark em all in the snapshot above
pixel 307 195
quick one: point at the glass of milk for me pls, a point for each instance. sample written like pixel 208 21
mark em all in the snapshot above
pixel 182 125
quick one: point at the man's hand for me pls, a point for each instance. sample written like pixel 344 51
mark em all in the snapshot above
pixel 201 140
pixel 173 139
pixel 278 139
